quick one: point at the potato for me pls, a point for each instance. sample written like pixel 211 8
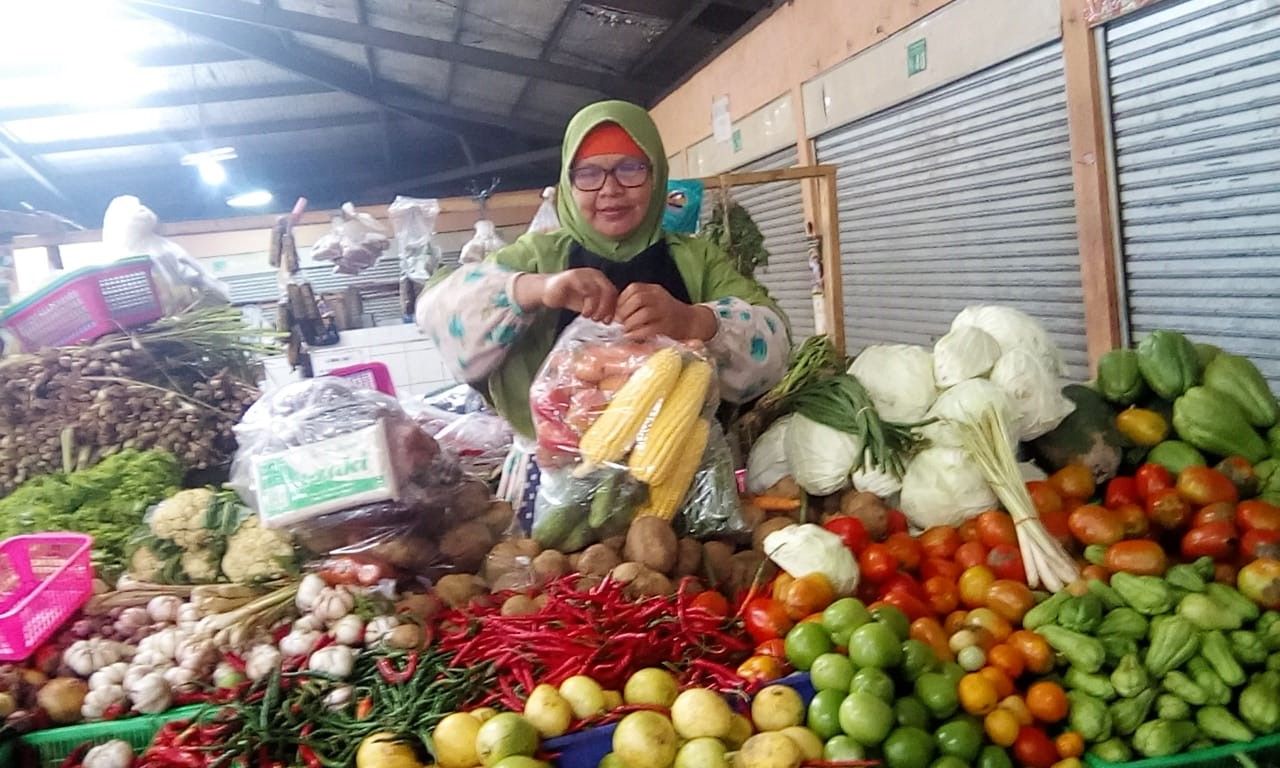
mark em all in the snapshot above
pixel 616 543
pixel 466 545
pixel 717 561
pixel 519 605
pixel 407 553
pixel 766 528
pixel 652 543
pixel 509 555
pixel 648 583
pixel 498 517
pixel 574 559
pixel 688 558
pixel 868 508
pixel 753 516
pixel 550 565
pixel 457 589
pixel 423 605
pixel 512 580
pixel 598 560
pixel 745 568
pixel 626 572
pixel 786 488
pixel 586 582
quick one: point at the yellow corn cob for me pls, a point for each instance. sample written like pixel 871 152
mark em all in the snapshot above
pixel 612 434
pixel 664 499
pixel 655 458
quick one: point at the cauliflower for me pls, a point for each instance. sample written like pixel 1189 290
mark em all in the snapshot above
pixel 181 518
pixel 146 565
pixel 199 566
pixel 254 552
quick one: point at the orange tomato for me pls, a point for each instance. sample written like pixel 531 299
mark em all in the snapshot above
pixel 996 528
pixel 1069 744
pixel 1092 571
pixel 928 631
pixel 940 541
pixel 1018 706
pixel 1007 659
pixel 968 530
pixel 1133 519
pixel 1258 515
pixel 1001 726
pixel 1035 651
pixel 1138 556
pixel 761 669
pixel 977 694
pixel 999 680
pixel 1219 512
pixel 776 648
pixel 1074 481
pixel 971 553
pixel 1047 701
pixel 1044 497
pixel 954 622
pixel 1204 485
pixel 1010 599
pixel 1093 524
pixel 780 584
pixel 813 618
pixel 906 548
pixel 808 594
pixel 936 566
pixel 992 622
pixel 974 583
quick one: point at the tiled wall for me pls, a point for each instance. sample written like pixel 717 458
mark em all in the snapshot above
pixel 415 366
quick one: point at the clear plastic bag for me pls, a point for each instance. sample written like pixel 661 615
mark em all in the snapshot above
pixel 483 243
pixel 480 441
pixel 354 243
pixel 413 220
pixel 711 508
pixel 129 229
pixel 437 520
pixel 545 220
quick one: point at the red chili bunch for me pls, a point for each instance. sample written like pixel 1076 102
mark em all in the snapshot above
pixel 597 632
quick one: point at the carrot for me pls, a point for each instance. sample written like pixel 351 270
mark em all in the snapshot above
pixel 774 503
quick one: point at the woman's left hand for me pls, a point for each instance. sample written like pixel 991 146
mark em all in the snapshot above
pixel 647 310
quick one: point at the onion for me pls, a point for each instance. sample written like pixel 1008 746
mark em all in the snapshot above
pixel 61 698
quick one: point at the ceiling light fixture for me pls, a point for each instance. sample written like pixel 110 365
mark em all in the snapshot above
pixel 255 198
pixel 212 173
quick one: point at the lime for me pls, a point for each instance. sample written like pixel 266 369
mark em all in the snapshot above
pixel 960 738
pixel 895 618
pixel 918 658
pixel 824 713
pixel 843 748
pixel 908 747
pixel 875 645
pixel 805 643
pixel 842 617
pixel 937 693
pixel 992 756
pixel 831 672
pixel 949 761
pixel 910 711
pixel 865 718
pixel 873 681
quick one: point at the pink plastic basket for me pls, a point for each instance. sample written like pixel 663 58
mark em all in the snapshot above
pixel 44 579
pixel 367 375
pixel 85 304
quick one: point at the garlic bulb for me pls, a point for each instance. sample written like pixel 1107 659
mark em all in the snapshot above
pixel 339 697
pixel 180 678
pixel 378 627
pixel 150 693
pixel 189 613
pixel 98 700
pixel 335 660
pixel 163 643
pixel 261 662
pixel 309 623
pixel 136 673
pixel 114 754
pixel 194 654
pixel 332 604
pixel 348 630
pixel 112 674
pixel 299 643
pixel 308 590
pixel 131 620
pixel 85 657
pixel 164 608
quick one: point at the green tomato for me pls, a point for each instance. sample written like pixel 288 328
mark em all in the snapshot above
pixel 918 658
pixel 938 694
pixel 875 682
pixel 895 618
pixel 805 643
pixel 953 672
pixel 831 672
pixel 875 645
pixel 865 718
pixel 992 756
pixel 843 616
pixel 824 713
pixel 960 738
pixel 910 711
pixel 843 748
pixel 948 761
pixel 908 747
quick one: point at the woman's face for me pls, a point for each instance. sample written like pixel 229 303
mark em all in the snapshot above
pixel 613 210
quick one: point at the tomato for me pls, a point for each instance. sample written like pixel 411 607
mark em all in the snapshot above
pixel 1092 524
pixel 808 594
pixel 1258 514
pixel 1047 701
pixel 1056 524
pixel 906 548
pixel 1069 744
pixel 1133 519
pixel 712 602
pixel 928 631
pixel 1260 582
pixel 1219 512
pixel 968 530
pixel 766 619
pixel 1217 540
pixel 977 694
pixel 971 553
pixel 1044 497
pixel 1139 556
pixel 780 584
pixel 1007 659
pixel 940 541
pixel 1033 749
pixel 1005 561
pixel 1121 490
pixel 877 563
pixel 1092 571
pixel 1241 474
pixel 1074 481
pixel 904 582
pixel 851 531
pixel 935 566
pixel 1001 726
pixel 762 669
pixel 1225 573
pixel 996 527
pixel 777 648
pixel 1168 509
pixel 1010 599
pixel 1035 650
pixel 942 595
pixel 1151 478
pixel 974 583
pixel 897 522
pixel 1258 544
pixel 1202 485
pixel 912 606
pixel 996 627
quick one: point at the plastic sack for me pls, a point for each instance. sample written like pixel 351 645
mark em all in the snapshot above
pixel 354 243
pixel 545 221
pixel 804 549
pixel 439 518
pixel 684 204
pixel 129 229
pixel 413 220
pixel 480 441
pixel 459 398
pixel 711 508
pixel 483 243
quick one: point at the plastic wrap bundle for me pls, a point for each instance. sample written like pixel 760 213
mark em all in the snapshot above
pixel 354 242
pixel 483 243
pixel 129 229
pixel 413 220
pixel 627 429
pixel 545 220
pixel 348 472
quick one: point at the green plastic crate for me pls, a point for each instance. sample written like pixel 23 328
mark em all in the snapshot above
pixel 48 748
pixel 1264 751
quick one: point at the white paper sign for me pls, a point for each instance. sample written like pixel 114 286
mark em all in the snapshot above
pixel 721 123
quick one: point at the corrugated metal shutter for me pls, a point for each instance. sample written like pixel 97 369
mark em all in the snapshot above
pixel 257 287
pixel 961 196
pixel 1195 99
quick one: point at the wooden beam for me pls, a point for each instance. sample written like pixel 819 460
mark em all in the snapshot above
pixel 548 47
pixel 832 270
pixel 668 37
pixel 1091 177
pixel 336 29
pixel 459 18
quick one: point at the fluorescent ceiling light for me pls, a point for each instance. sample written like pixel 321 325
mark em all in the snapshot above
pixel 212 173
pixel 252 199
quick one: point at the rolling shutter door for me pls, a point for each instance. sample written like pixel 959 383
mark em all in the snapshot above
pixel 1195 100
pixel 961 196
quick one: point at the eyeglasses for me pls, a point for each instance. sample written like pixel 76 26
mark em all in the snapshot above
pixel 628 173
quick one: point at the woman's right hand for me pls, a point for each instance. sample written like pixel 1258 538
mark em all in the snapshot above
pixel 585 290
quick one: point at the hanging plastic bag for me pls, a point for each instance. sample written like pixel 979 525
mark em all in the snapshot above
pixel 545 221
pixel 482 244
pixel 129 229
pixel 413 220
pixel 354 243
pixel 684 204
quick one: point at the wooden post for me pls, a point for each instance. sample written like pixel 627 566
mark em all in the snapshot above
pixel 832 277
pixel 1090 170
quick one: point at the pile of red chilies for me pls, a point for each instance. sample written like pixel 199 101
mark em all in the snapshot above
pixel 599 633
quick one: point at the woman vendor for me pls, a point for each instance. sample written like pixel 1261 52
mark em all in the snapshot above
pixel 495 322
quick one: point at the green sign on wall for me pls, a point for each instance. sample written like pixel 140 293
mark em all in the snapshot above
pixel 917 57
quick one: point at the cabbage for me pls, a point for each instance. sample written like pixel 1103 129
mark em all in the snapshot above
pixel 1013 329
pixel 767 463
pixel 804 549
pixel 820 457
pixel 964 353
pixel 965 402
pixel 943 486
pixel 875 479
pixel 899 379
pixel 1036 393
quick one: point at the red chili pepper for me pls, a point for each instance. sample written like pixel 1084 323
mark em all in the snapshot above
pixel 175 757
pixel 306 754
pixel 387 668
pixel 76 757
